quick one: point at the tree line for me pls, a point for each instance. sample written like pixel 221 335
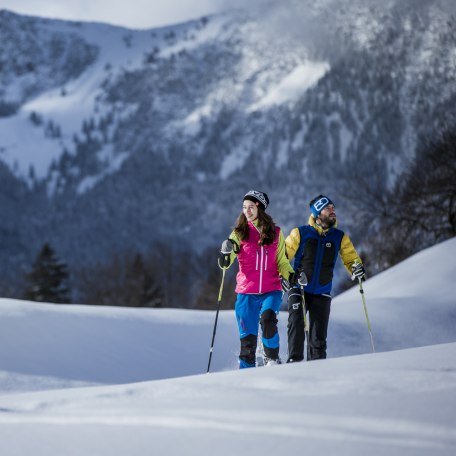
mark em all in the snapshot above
pixel 417 212
pixel 163 278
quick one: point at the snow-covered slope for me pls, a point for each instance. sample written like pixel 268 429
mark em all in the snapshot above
pixel 45 345
pixel 394 402
pixel 107 345
pixel 411 304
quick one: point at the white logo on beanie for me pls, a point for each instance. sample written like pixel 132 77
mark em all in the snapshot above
pixel 259 196
pixel 321 203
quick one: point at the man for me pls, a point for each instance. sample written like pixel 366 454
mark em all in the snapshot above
pixel 314 249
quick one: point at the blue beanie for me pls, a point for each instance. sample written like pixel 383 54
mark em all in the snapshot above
pixel 318 204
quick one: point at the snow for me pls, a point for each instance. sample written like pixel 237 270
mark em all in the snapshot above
pixel 294 85
pixel 22 151
pixel 210 32
pixel 81 99
pixel 103 380
pixel 234 160
pixel 366 25
pixel 412 304
pixel 346 137
pixel 113 162
pixel 192 123
pixel 120 49
pixel 282 154
pixel 389 403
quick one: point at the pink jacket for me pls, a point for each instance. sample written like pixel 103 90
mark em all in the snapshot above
pixel 258 271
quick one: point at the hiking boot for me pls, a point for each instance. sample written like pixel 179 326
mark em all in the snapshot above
pixel 271 362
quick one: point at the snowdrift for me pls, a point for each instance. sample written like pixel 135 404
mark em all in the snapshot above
pixel 392 403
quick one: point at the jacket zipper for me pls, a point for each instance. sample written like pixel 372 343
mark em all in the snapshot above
pixel 261 269
pixel 317 270
pixel 261 263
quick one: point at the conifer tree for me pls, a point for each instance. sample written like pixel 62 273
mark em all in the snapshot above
pixel 141 290
pixel 48 280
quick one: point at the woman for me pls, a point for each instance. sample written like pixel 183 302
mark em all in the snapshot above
pixel 260 248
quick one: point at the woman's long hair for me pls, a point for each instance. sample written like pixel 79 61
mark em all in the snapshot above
pixel 265 224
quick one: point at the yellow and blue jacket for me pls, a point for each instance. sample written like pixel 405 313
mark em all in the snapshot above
pixel 315 251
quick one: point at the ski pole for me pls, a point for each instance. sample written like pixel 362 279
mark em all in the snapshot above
pixel 227 248
pixel 302 281
pixel 365 312
pixel 216 319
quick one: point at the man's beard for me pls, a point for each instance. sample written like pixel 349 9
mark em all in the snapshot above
pixel 328 221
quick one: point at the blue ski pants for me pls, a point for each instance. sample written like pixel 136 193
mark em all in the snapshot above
pixel 252 310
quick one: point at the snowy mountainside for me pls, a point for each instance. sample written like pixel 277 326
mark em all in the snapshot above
pixel 36 58
pixel 153 125
pixel 56 90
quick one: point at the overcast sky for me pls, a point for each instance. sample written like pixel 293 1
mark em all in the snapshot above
pixel 129 13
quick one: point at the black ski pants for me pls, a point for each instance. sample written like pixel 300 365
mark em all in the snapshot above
pixel 318 308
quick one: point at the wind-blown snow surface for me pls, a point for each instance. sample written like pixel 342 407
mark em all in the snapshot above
pixel 395 402
pixel 411 304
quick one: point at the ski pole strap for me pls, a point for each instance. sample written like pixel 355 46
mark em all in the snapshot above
pixel 236 247
pixel 219 265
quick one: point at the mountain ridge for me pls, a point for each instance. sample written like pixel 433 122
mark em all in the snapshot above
pixel 181 124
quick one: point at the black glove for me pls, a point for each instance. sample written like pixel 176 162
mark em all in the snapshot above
pixel 225 253
pixel 358 272
pixel 287 285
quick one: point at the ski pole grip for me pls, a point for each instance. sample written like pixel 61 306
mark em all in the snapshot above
pixel 227 247
pixel 302 279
